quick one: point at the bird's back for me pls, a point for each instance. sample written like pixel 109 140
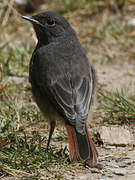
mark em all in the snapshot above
pixel 59 58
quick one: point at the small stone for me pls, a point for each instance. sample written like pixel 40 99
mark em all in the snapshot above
pixel 106 178
pixel 112 164
pixel 121 171
pixel 118 171
pixel 17 80
pixel 100 165
pixel 94 170
pixel 85 176
pixel 129 162
pixel 131 22
pixel 122 165
pixel 131 171
pixel 115 135
pixel 104 164
pixel 109 147
pixel 21 2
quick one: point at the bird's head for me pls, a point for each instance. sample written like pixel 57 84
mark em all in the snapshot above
pixel 49 26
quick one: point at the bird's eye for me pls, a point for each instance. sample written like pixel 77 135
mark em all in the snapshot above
pixel 50 23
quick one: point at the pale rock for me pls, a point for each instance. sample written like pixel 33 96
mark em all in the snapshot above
pixel 131 22
pixel 86 177
pixel 21 2
pixel 115 135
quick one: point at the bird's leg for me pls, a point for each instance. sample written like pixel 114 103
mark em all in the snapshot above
pixel 52 126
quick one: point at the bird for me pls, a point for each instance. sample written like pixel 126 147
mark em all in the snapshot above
pixel 63 82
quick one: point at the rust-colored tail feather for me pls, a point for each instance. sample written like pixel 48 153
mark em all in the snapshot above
pixel 81 147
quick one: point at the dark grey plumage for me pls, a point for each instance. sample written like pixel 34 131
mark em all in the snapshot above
pixel 62 79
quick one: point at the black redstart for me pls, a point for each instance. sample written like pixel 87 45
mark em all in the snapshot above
pixel 63 82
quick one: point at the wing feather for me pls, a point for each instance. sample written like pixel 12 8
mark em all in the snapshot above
pixel 73 100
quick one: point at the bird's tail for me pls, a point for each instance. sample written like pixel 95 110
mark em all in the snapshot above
pixel 81 147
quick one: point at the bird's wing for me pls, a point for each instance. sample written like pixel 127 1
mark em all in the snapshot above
pixel 72 97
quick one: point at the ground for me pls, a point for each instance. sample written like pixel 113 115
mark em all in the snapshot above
pixel 109 44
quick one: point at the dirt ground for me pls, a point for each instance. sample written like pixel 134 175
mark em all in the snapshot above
pixel 117 76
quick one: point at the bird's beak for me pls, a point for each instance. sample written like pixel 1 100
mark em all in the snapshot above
pixel 32 20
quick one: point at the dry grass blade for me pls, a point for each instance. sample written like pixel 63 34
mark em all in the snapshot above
pixel 14 172
pixel 7 13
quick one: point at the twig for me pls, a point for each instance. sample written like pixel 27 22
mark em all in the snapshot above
pixel 5 19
